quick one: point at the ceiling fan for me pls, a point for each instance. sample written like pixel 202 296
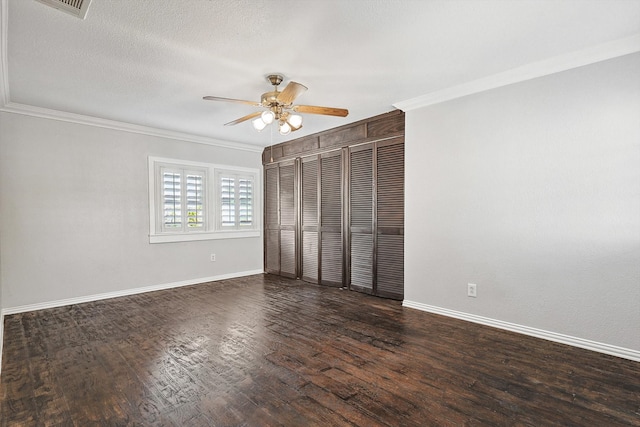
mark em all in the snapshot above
pixel 278 107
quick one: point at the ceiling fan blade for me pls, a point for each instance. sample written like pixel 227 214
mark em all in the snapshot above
pixel 237 101
pixel 291 92
pixel 314 109
pixel 244 118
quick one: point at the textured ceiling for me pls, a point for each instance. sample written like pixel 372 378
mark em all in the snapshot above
pixel 150 62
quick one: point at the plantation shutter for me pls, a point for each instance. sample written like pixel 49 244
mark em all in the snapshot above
pixel 195 200
pixel 245 202
pixel 234 200
pixel 171 199
pixel 227 201
pixel 183 200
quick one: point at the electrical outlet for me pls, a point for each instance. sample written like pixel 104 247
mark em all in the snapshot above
pixel 213 257
pixel 472 290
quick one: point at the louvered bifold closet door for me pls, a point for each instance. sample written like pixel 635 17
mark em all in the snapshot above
pixel 390 219
pixel 361 218
pixel 271 221
pixel 287 220
pixel 310 216
pixel 331 219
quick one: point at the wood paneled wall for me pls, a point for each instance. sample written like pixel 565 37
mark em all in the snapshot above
pixel 334 206
pixel 384 126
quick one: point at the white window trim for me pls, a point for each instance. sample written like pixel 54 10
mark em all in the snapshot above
pixel 212 231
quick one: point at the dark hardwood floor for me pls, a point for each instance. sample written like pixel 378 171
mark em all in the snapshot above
pixel 267 351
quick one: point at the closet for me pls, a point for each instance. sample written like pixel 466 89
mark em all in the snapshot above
pixel 334 207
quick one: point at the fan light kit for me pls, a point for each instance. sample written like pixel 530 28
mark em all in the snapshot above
pixel 278 107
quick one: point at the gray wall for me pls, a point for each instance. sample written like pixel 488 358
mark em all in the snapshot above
pixel 74 215
pixel 531 191
pixel 1 204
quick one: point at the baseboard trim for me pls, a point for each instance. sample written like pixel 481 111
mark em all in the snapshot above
pixel 107 295
pixel 612 350
pixel 1 339
pixel 123 293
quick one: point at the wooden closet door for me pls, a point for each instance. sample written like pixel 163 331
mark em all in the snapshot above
pixel 331 219
pixel 361 218
pixel 287 220
pixel 390 219
pixel 271 220
pixel 280 219
pixel 337 218
pixel 310 216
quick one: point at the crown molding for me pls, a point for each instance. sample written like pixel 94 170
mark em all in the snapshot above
pixel 45 113
pixel 556 64
pixel 12 107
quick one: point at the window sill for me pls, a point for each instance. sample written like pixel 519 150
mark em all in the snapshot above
pixel 190 237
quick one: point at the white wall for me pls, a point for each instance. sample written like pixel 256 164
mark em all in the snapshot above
pixel 531 191
pixel 74 215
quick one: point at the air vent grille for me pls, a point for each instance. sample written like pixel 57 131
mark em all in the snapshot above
pixel 77 8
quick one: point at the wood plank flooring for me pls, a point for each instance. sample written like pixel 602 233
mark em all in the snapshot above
pixel 269 351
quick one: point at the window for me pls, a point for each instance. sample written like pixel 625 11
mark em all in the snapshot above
pixel 235 200
pixel 198 201
pixel 183 199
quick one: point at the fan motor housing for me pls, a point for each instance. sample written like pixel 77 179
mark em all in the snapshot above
pixel 269 99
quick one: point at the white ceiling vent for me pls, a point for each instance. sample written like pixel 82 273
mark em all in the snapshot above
pixel 74 7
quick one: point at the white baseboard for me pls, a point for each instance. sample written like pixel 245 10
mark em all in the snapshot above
pixel 1 339
pixel 123 293
pixel 107 295
pixel 612 350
